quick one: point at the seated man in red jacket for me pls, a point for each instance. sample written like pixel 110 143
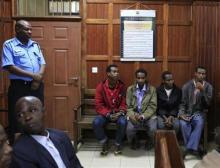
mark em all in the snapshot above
pixel 111 107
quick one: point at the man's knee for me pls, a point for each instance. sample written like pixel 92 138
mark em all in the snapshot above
pixel 130 127
pixel 97 122
pixel 183 123
pixel 152 124
pixel 122 121
pixel 200 124
pixel 160 123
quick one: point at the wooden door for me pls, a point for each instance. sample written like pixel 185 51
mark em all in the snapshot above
pixel 60 43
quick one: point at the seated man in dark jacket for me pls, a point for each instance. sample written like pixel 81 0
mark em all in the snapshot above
pixel 39 147
pixel 168 100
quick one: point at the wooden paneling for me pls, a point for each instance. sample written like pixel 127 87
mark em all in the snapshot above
pixel 179 41
pixel 102 31
pixel 207 53
pixel 154 70
pixel 126 70
pixel 6 8
pixel 181 72
pixel 94 78
pixel 180 12
pixel 101 11
pixel 6 27
pixel 97 41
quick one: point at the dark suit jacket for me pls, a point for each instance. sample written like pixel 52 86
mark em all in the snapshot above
pixel 168 106
pixel 28 153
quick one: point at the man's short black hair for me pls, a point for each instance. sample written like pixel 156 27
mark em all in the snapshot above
pixel 19 24
pixel 200 67
pixel 29 100
pixel 108 69
pixel 163 76
pixel 141 70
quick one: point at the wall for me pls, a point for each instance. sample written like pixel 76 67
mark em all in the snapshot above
pixel 187 36
pixel 101 31
pixel 206 27
pixel 6 27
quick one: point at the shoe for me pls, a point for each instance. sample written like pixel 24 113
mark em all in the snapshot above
pixel 117 150
pixel 148 145
pixel 104 151
pixel 196 153
pixel 185 152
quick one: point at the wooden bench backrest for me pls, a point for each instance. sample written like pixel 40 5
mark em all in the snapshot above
pixel 88 101
pixel 167 151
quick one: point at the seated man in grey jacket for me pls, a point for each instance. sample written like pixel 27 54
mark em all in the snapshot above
pixel 141 102
pixel 196 98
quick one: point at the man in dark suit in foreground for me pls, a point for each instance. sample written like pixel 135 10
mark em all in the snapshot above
pixel 39 147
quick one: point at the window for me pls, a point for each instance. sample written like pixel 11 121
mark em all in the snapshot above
pixel 40 8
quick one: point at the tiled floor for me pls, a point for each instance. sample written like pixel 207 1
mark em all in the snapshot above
pixel 89 156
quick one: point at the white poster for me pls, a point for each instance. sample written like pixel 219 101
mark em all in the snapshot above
pixel 137 30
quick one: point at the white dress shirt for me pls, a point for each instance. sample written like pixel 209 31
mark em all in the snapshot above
pixel 50 147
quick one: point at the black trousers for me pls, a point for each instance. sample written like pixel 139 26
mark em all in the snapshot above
pixel 16 90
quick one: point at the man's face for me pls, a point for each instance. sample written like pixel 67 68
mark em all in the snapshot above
pixel 141 78
pixel 200 75
pixel 113 74
pixel 168 81
pixel 30 117
pixel 5 150
pixel 24 31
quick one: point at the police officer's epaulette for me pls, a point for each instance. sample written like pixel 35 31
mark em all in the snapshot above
pixel 34 42
pixel 8 41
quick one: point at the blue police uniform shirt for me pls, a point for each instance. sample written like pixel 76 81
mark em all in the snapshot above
pixel 27 57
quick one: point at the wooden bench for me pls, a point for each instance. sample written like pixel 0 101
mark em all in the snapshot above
pixel 167 150
pixel 85 114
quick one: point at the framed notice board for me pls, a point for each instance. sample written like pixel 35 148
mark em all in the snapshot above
pixel 138 35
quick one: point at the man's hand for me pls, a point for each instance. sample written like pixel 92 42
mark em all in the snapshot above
pixel 185 117
pixel 37 77
pixel 199 86
pixel 35 85
pixel 138 117
pixel 169 121
pixel 133 119
pixel 115 116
